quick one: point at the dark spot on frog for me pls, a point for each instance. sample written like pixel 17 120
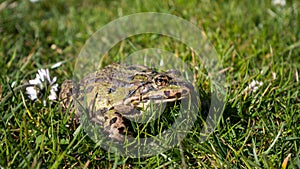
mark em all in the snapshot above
pixel 122 130
pixel 118 114
pixel 162 80
pixel 105 118
pixel 113 120
pixel 111 90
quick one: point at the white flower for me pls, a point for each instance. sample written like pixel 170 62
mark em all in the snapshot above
pixel 253 86
pixel 279 2
pixel 53 91
pixel 42 87
pixel 56 65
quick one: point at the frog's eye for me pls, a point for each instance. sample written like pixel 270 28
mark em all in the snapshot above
pixel 161 80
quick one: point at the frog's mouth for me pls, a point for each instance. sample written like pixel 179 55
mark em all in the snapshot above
pixel 158 96
pixel 154 101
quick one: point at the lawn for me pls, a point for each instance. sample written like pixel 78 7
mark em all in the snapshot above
pixel 257 42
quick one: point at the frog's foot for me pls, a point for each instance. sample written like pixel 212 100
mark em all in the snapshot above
pixel 115 127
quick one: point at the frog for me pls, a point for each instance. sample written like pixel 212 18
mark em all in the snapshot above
pixel 118 93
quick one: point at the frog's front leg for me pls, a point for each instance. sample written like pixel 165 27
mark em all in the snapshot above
pixel 114 125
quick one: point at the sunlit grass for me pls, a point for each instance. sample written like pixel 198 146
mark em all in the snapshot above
pixel 256 41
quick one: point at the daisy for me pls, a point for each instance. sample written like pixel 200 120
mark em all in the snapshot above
pixel 253 86
pixel 42 87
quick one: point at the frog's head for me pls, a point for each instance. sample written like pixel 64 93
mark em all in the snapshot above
pixel 160 88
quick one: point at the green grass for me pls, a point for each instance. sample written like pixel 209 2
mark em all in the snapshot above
pixel 255 41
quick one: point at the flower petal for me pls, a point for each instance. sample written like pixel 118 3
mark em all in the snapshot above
pixel 52 95
pixel 40 75
pixel 57 65
pixel 35 81
pixel 48 75
pixel 53 80
pixel 54 87
pixel 31 92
